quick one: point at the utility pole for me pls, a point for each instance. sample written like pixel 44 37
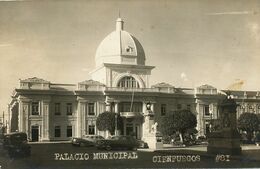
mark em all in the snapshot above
pixel 3 117
pixel 4 125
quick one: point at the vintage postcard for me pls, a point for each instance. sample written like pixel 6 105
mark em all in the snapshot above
pixel 129 84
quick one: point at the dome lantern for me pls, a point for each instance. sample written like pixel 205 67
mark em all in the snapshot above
pixel 119 24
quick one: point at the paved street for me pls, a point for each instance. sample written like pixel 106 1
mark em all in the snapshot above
pixel 43 156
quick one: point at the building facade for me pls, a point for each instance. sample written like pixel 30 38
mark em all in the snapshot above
pixel 120 83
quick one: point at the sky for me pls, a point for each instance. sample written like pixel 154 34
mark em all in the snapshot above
pixel 191 42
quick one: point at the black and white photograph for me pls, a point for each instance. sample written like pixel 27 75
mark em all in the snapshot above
pixel 129 84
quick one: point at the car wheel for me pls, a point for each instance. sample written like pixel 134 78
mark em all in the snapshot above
pixel 82 144
pixel 108 147
pixel 134 149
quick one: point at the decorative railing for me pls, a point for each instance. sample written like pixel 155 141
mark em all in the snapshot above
pixel 160 90
pixel 123 89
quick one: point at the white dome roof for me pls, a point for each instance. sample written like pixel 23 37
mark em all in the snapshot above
pixel 120 47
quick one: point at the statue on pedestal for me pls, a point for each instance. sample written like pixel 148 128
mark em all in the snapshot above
pixel 150 132
pixel 154 128
pixel 225 139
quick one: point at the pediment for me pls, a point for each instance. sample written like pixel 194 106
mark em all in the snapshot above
pixel 34 80
pixel 162 85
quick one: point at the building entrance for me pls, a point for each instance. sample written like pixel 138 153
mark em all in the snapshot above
pixel 129 130
pixel 132 124
pixel 133 130
pixel 35 133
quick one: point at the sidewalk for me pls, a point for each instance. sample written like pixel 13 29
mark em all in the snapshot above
pixel 199 148
pixel 51 142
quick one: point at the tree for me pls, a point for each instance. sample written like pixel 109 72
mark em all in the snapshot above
pixel 178 122
pixel 248 122
pixel 106 121
pixel 258 117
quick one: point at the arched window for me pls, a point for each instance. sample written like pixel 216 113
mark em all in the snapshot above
pixel 128 82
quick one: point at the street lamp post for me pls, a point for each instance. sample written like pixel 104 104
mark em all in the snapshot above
pixel 116 124
pixel 1 122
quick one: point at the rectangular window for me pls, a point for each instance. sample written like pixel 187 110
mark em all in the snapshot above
pixel 57 109
pixel 163 109
pixel 69 131
pixel 206 110
pixel 91 129
pixel 35 108
pixel 69 108
pixel 91 110
pixel 179 106
pixel 57 131
pixel 188 107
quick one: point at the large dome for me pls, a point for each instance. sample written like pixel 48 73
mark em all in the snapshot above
pixel 120 47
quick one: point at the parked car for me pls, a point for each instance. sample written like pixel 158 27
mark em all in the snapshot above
pixel 176 141
pixel 187 141
pixel 201 140
pixel 118 142
pixel 257 139
pixel 86 140
pixel 142 144
pixel 16 143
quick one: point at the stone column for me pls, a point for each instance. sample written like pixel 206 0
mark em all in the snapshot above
pixel 20 116
pixel 200 128
pixel 27 108
pixel 24 111
pixel 117 113
pixel 84 111
pixel 144 107
pixel 100 107
pixel 45 120
pixel 81 118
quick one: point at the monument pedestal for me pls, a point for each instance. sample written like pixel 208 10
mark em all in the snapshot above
pixel 150 134
pixel 225 142
pixel 153 142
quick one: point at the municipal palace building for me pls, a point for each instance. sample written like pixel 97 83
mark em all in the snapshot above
pixel 119 83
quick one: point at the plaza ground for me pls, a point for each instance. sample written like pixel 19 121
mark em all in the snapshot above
pixel 43 157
